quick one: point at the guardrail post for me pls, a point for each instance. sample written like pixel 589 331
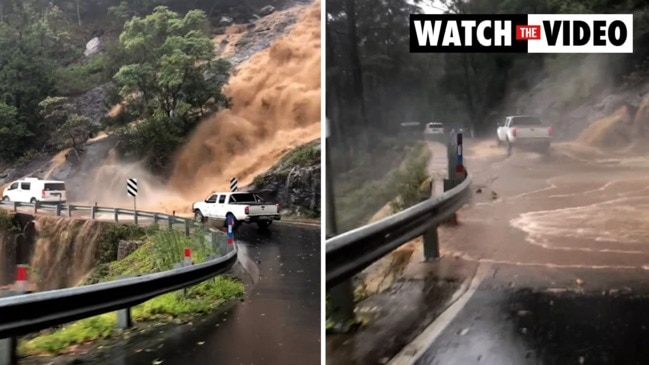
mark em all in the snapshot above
pixel 180 292
pixel 342 306
pixel 188 257
pixel 36 207
pixel 188 226
pixel 452 159
pixel 171 222
pixel 124 318
pixel 15 207
pixel 155 218
pixel 93 212
pixel 331 228
pixel 459 164
pixel 218 245
pixel 70 208
pixel 456 171
pixel 8 346
pixel 58 209
pixel 135 217
pixel 116 215
pixel 431 244
pixel 230 232
pixel 21 279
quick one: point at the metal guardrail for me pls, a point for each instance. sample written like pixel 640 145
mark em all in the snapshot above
pixel 92 211
pixel 26 313
pixel 350 253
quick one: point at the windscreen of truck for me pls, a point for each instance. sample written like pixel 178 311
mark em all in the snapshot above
pixel 242 198
pixel 526 121
pixel 54 187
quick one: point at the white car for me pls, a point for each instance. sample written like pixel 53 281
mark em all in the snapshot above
pixel 434 130
pixel 31 190
pixel 242 207
pixel 524 131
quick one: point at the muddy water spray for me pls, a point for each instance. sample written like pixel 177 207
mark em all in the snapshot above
pixel 65 250
pixel 276 106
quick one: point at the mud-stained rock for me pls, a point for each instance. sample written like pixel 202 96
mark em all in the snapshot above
pixel 294 182
pixel 125 248
pixel 383 273
pixel 611 132
pixel 266 10
pixel 225 21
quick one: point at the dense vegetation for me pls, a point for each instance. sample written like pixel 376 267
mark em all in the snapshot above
pixel 160 250
pixel 374 82
pixel 158 59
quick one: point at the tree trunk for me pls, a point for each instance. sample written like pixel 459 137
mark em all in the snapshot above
pixel 78 12
pixel 468 85
pixel 356 71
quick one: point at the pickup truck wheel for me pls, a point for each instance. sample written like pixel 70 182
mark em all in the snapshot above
pixel 5 198
pixel 198 216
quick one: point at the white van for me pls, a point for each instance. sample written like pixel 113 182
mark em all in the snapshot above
pixel 30 190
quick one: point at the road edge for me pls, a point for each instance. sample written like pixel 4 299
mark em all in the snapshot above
pixel 299 223
pixel 412 352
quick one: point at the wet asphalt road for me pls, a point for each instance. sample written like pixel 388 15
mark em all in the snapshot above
pixel 526 327
pixel 572 209
pixel 563 243
pixel 279 322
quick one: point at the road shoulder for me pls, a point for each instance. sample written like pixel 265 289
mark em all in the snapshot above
pixel 396 316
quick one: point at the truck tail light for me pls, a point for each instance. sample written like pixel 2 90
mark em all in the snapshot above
pixel 246 210
pixel 43 193
pixel 514 132
pixel 550 131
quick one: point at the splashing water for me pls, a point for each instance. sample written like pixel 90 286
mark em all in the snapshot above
pixel 276 107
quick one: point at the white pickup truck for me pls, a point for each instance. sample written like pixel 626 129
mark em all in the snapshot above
pixel 242 207
pixel 525 131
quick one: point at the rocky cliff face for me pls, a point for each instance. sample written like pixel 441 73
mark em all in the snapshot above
pixel 294 182
pixel 577 98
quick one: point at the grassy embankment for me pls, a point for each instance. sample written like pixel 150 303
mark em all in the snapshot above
pixel 368 187
pixel 160 250
pixel 401 188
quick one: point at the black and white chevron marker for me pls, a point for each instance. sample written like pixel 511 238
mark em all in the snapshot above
pixel 233 184
pixel 131 187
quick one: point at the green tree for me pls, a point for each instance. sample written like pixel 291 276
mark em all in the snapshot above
pixel 12 132
pixel 171 78
pixel 69 128
pixel 171 60
pixel 75 131
pixel 26 75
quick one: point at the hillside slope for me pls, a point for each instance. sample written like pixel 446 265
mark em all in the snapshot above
pixel 293 182
pixel 275 107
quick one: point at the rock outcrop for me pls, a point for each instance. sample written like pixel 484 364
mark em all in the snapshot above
pixel 294 182
pixel 579 98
